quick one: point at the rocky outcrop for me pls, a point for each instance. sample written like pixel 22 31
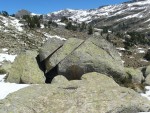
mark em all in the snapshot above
pixel 68 47
pixel 26 70
pixel 51 46
pixel 94 55
pixel 95 93
pixel 134 75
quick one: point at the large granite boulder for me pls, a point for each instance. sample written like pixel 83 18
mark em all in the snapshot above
pixel 25 69
pixel 134 75
pixel 94 55
pixel 51 46
pixel 69 46
pixel 95 93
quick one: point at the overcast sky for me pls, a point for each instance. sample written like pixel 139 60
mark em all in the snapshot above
pixel 46 6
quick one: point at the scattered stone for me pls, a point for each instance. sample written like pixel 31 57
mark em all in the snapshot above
pixel 59 79
pixel 134 75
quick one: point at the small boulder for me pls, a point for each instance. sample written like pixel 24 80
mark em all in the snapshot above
pixel 59 79
pixel 134 75
pixel 25 69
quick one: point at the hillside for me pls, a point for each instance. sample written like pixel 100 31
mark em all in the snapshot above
pixel 113 22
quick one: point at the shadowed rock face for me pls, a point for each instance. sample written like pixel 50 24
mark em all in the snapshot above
pixel 95 93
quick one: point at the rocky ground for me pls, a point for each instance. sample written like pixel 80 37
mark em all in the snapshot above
pixel 72 58
pixel 102 77
pixel 91 94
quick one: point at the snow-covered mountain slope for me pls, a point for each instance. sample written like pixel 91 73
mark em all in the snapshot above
pixel 125 16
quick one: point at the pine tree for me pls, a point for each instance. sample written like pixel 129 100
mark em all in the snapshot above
pixel 5 13
pixel 69 26
pixel 90 30
pixel 83 26
pixel 64 19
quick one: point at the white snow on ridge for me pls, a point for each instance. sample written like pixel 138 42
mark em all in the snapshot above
pixel 140 3
pixel 105 12
pixel 34 14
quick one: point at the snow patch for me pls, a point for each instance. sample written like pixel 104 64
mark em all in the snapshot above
pixel 121 48
pixel 140 3
pixel 7 57
pixel 7 88
pixel 141 51
pixel 147 93
pixel 2 78
pixel 120 54
pixel 55 36
pixel 42 26
pixel 123 61
pixel 143 60
pixel 4 49
pixel 131 57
